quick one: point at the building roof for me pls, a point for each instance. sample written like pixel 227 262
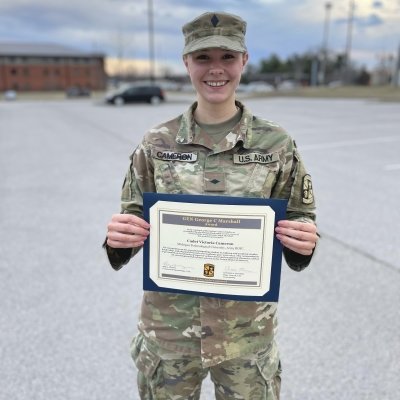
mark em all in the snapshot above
pixel 42 50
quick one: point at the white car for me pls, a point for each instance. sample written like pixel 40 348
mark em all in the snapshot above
pixel 10 95
pixel 287 85
pixel 257 87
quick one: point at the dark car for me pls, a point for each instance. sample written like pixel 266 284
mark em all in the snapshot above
pixel 146 93
pixel 77 91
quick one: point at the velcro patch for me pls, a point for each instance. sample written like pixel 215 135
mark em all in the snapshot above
pixel 255 158
pixel 307 189
pixel 175 156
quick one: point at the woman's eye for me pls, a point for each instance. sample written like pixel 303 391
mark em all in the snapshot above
pixel 201 57
pixel 228 56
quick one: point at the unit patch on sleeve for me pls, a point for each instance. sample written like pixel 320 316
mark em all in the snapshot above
pixel 255 158
pixel 174 156
pixel 307 189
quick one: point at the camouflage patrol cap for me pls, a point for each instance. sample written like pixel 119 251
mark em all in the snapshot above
pixel 215 30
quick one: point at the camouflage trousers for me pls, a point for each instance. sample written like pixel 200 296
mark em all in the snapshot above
pixel 169 376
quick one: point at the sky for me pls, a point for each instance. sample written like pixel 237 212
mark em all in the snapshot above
pixel 119 28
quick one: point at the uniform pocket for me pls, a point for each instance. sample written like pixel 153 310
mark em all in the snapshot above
pixel 166 178
pixel 261 180
pixel 268 362
pixel 146 361
pixel 269 366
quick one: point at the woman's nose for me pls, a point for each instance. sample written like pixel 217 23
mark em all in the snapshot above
pixel 215 69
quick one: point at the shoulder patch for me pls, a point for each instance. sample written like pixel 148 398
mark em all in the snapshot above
pixel 307 190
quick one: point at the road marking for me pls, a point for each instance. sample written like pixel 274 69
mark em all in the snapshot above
pixel 355 249
pixel 349 143
pixel 392 167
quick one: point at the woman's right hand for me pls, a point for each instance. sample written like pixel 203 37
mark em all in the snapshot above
pixel 126 231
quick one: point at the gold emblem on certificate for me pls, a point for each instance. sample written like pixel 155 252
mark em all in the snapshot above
pixel 209 270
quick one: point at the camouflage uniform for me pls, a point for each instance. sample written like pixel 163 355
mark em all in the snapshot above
pixel 185 334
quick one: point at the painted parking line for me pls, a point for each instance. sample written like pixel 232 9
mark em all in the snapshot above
pixel 350 143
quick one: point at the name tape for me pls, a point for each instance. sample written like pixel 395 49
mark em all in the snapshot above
pixel 175 156
pixel 255 158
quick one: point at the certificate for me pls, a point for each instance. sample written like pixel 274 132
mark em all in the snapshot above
pixel 213 246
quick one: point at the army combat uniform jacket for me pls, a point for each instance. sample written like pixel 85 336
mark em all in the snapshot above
pixel 256 159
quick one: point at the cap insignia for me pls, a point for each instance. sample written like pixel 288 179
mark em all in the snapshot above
pixel 214 20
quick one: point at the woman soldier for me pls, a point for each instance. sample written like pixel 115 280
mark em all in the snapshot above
pixel 183 337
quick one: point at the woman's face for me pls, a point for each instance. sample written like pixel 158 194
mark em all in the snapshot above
pixel 215 73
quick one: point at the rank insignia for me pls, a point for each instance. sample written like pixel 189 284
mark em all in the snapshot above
pixel 214 21
pixel 214 181
pixel 209 270
pixel 307 189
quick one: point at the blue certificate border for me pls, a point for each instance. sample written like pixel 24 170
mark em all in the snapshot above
pixel 278 205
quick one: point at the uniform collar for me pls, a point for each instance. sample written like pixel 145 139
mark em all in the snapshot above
pixel 188 132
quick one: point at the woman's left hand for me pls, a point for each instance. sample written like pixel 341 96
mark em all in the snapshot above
pixel 301 237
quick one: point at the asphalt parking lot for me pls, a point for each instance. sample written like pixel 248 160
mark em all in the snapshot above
pixel 67 318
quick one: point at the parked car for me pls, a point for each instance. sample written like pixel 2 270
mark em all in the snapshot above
pixel 10 95
pixel 287 85
pixel 77 91
pixel 144 93
pixel 257 87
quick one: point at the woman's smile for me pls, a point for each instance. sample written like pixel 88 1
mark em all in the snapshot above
pixel 216 83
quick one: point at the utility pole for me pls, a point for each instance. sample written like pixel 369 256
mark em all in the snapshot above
pixel 347 65
pixel 396 74
pixel 120 56
pixel 151 40
pixel 314 71
pixel 328 7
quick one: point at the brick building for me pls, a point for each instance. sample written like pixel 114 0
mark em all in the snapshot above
pixel 47 67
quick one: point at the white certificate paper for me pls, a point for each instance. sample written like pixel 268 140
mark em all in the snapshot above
pixel 213 249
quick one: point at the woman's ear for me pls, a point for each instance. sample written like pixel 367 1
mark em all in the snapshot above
pixel 185 61
pixel 245 58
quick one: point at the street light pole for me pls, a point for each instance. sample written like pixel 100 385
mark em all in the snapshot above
pixel 151 39
pixel 328 7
